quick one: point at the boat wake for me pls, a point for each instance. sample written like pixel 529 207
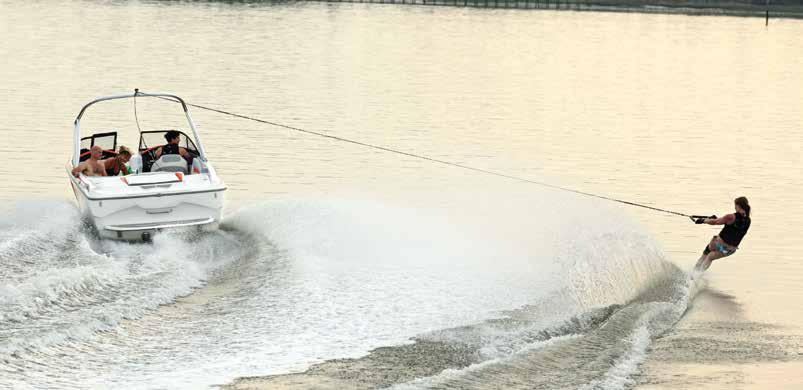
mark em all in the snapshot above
pixel 599 349
pixel 440 300
pixel 61 285
pixel 609 295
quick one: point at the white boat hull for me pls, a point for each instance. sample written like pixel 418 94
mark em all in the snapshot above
pixel 121 211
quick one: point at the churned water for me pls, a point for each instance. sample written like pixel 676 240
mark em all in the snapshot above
pixel 291 282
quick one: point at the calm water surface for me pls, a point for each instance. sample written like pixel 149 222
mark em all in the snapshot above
pixel 332 250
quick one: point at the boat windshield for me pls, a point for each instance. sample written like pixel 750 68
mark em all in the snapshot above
pixel 156 138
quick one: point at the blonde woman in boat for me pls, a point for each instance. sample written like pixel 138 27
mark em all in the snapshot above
pixel 116 166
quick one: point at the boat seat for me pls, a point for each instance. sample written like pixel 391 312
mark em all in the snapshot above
pixel 170 163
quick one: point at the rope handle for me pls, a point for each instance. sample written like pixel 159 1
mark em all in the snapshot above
pixel 698 219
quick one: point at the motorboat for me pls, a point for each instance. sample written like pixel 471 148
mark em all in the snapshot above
pixel 156 192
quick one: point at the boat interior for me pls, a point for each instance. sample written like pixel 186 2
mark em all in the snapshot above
pixel 149 142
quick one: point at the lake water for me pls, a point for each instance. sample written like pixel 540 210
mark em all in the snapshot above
pixel 330 250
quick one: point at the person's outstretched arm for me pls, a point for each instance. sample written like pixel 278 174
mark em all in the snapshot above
pixel 78 168
pixel 724 220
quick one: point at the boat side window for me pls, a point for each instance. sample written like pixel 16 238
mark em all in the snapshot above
pixel 106 140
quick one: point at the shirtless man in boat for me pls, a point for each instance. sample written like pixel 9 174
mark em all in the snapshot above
pixel 93 166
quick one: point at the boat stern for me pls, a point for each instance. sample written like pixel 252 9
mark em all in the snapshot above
pixel 135 208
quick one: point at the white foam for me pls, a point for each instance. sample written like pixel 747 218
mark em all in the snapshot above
pixel 618 376
pixel 55 286
pixel 656 320
pixel 451 374
pixel 74 295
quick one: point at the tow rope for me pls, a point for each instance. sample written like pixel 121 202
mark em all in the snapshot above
pixel 694 218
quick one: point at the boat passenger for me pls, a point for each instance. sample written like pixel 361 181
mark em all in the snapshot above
pixel 93 166
pixel 116 166
pixel 173 137
pixel 727 241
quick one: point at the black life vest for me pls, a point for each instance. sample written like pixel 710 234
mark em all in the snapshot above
pixel 170 149
pixel 114 170
pixel 733 233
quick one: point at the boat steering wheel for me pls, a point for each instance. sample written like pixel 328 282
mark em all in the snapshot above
pixel 148 158
pixel 152 153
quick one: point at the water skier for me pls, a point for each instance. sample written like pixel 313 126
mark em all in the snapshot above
pixel 727 241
